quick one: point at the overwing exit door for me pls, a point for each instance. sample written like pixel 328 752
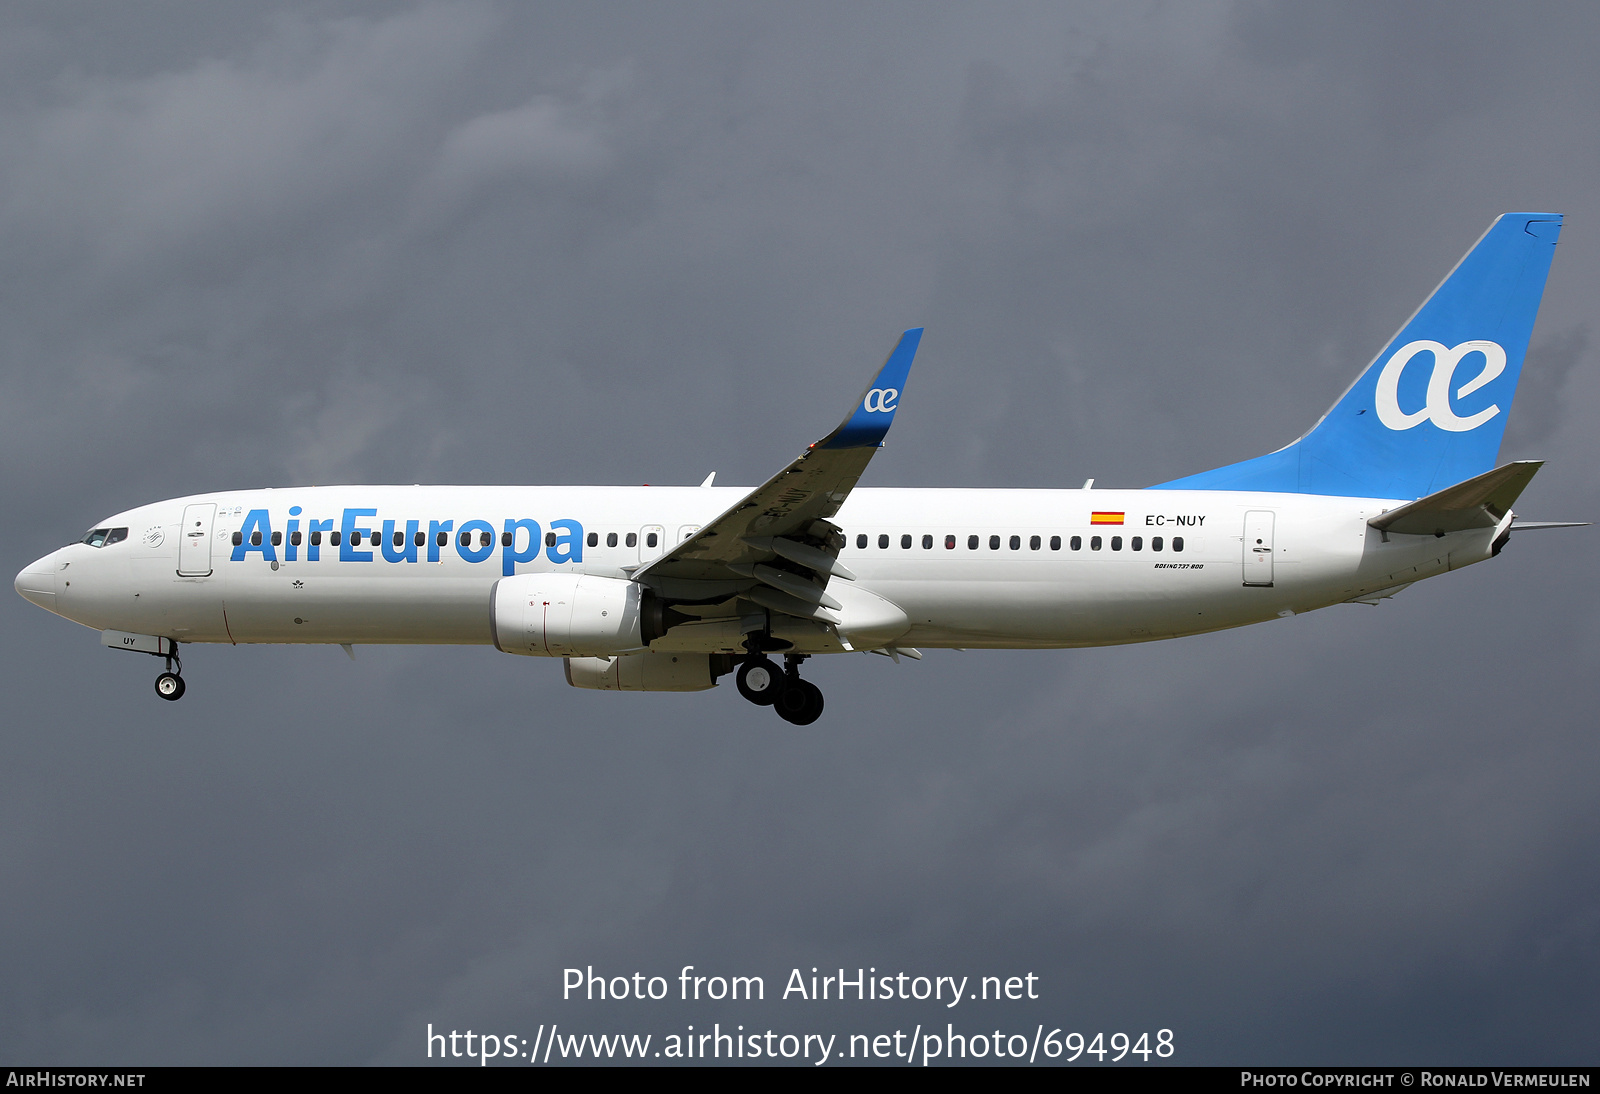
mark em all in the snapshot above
pixel 194 540
pixel 1258 548
pixel 652 542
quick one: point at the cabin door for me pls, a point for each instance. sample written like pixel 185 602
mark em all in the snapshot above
pixel 1258 548
pixel 194 540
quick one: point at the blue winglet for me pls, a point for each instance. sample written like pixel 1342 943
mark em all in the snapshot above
pixel 874 414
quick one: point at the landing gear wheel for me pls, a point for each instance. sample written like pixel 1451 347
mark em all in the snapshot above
pixel 759 681
pixel 800 702
pixel 169 685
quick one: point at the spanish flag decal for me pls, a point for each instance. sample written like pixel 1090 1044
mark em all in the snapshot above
pixel 1106 518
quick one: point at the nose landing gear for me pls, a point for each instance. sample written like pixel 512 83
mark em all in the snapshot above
pixel 169 685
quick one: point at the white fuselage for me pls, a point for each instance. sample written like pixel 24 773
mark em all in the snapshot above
pixel 1033 590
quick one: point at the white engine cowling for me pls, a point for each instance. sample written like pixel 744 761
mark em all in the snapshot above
pixel 648 671
pixel 566 615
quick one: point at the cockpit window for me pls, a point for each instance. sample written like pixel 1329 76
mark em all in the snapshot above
pixel 117 536
pixel 97 537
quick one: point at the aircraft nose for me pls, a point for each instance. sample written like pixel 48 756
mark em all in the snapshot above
pixel 37 583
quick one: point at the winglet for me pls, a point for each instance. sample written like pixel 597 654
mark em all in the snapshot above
pixel 866 427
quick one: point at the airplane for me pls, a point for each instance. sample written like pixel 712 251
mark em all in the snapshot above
pixel 671 588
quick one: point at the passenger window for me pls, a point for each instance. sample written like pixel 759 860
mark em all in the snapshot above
pixel 550 539
pixel 334 537
pixel 399 539
pixel 651 539
pixel 466 539
pixel 1033 543
pixel 611 539
pixel 861 542
pixel 485 539
pixel 277 538
pixel 972 543
pixel 505 539
pixel 1155 543
pixel 905 543
pixel 927 543
pixel 1094 543
pixel 316 539
pixel 883 543
pixel 238 540
pixel 255 539
pixel 1138 543
pixel 294 539
pixel 1016 543
pixel 420 539
pixel 594 539
pixel 1077 543
pixel 632 540
pixel 994 543
pixel 1116 543
pixel 441 539
pixel 1177 543
pixel 119 534
pixel 1055 543
pixel 949 543
pixel 355 539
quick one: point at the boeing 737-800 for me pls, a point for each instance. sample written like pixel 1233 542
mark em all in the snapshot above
pixel 668 589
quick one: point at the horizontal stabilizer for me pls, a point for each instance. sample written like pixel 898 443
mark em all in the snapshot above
pixel 1480 502
pixel 1541 525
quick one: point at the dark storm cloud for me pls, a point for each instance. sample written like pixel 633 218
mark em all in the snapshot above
pixel 482 243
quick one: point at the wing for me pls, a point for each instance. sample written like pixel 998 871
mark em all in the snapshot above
pixel 777 547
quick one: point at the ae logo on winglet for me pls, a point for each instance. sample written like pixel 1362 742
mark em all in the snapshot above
pixel 1437 407
pixel 880 400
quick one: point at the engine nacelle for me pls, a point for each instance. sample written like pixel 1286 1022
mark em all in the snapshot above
pixel 648 671
pixel 574 615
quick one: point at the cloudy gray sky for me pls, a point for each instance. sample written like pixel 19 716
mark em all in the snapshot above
pixel 248 245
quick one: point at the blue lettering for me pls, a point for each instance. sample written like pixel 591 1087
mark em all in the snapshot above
pixel 434 528
pixel 568 546
pixel 314 549
pixel 469 536
pixel 407 551
pixel 257 523
pixel 509 555
pixel 347 552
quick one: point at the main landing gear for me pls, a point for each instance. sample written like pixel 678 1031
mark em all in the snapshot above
pixel 759 680
pixel 169 685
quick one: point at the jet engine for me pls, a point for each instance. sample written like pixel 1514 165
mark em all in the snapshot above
pixel 649 671
pixel 574 615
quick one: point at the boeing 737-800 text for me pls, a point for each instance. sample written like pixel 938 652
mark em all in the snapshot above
pixel 667 589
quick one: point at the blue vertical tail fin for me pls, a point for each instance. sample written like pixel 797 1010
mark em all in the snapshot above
pixel 1430 410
